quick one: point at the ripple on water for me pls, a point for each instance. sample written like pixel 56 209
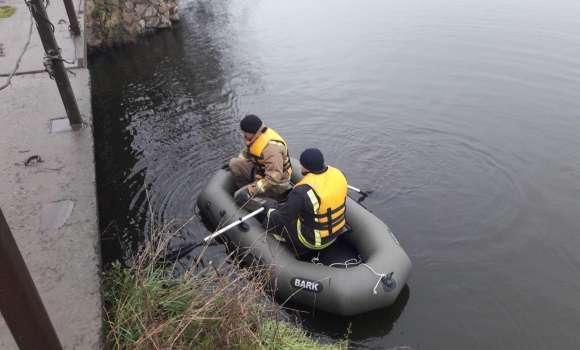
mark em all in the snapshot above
pixel 430 166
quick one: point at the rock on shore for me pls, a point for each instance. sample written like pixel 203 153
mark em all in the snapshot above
pixel 116 22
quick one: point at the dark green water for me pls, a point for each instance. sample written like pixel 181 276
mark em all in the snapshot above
pixel 461 116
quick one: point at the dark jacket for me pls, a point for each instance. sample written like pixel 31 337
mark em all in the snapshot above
pixel 284 221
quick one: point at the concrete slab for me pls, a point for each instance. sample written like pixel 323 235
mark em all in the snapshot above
pixel 54 215
pixel 63 256
pixel 60 125
pixel 14 34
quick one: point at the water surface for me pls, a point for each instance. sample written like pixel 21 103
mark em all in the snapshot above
pixel 462 117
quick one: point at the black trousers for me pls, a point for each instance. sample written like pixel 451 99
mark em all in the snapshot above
pixel 287 235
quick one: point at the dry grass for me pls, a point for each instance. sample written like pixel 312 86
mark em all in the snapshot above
pixel 220 307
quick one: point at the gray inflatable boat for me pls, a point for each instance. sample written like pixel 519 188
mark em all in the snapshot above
pixel 363 270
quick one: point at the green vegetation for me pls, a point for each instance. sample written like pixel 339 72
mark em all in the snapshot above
pixel 221 306
pixel 98 11
pixel 6 11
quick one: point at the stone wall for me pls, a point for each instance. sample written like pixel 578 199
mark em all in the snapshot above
pixel 116 22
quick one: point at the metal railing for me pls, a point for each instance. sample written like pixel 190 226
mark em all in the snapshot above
pixel 20 303
pixel 54 63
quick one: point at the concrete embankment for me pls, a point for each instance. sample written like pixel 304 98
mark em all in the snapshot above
pixel 51 205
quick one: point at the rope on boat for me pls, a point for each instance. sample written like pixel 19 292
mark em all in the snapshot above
pixel 355 262
pixel 346 264
pixel 381 276
pixel 349 262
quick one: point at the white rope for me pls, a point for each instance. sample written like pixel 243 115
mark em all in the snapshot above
pixel 381 276
pixel 350 262
pixel 346 264
pixel 316 259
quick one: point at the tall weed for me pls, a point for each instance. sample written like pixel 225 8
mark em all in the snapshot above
pixel 220 307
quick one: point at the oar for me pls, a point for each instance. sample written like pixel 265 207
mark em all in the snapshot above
pixel 364 193
pixel 185 250
pixel 240 220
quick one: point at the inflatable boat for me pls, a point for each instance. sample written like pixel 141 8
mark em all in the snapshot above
pixel 363 270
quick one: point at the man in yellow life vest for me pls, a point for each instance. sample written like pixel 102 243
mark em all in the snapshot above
pixel 263 168
pixel 314 213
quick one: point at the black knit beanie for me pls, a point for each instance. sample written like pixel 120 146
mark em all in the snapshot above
pixel 312 159
pixel 251 124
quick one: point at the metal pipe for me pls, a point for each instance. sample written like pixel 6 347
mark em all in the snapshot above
pixel 52 50
pixel 72 17
pixel 20 303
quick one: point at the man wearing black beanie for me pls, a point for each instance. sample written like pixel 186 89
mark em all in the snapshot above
pixel 314 213
pixel 263 168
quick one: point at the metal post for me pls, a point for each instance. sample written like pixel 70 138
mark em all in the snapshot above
pixel 20 303
pixel 52 50
pixel 72 17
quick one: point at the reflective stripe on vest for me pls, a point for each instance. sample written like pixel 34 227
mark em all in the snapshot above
pixel 257 147
pixel 328 197
pixel 317 245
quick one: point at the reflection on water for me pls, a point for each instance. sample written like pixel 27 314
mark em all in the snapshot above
pixel 163 123
pixel 335 327
pixel 461 117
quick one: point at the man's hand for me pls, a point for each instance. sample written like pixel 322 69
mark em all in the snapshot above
pixel 242 197
pixel 269 204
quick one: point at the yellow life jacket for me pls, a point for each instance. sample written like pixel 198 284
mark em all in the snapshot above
pixel 328 196
pixel 257 147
